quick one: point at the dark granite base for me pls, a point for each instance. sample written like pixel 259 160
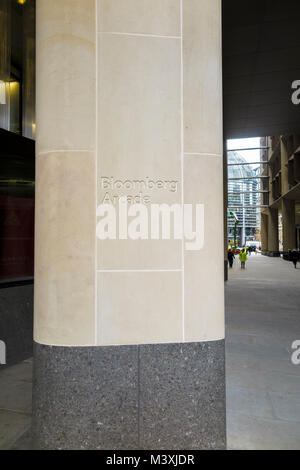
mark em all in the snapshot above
pixel 166 396
pixel 16 322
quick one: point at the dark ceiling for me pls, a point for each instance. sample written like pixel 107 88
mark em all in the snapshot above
pixel 261 59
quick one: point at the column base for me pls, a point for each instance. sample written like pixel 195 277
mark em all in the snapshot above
pixel 162 396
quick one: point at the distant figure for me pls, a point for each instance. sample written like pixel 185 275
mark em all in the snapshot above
pixel 249 250
pixel 243 258
pixel 294 257
pixel 231 257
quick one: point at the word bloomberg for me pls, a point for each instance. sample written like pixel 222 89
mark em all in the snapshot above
pixel 145 184
pixel 141 222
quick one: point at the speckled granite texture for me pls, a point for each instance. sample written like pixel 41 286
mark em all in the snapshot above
pixel 164 396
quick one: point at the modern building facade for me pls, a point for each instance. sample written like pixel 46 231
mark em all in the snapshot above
pixel 280 221
pixel 243 198
pixel 17 176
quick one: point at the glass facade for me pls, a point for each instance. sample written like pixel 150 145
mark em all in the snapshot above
pixel 243 198
pixel 17 67
pixel 17 133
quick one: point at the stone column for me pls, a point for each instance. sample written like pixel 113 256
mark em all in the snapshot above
pixel 284 168
pixel 264 232
pixel 273 241
pixel 129 333
pixel 288 224
pixel 225 205
pixel 28 81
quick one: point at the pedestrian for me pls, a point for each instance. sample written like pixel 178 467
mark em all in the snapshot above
pixel 243 258
pixel 294 257
pixel 231 257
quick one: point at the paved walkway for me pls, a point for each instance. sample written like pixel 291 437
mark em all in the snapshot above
pixel 15 406
pixel 263 386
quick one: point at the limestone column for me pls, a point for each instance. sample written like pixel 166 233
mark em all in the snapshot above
pixel 264 232
pixel 288 224
pixel 129 333
pixel 284 168
pixel 273 241
pixel 65 272
pixel 225 192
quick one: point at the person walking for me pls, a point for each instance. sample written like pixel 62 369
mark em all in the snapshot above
pixel 231 257
pixel 294 257
pixel 243 258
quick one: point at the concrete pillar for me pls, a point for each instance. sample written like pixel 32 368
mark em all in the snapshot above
pixel 273 240
pixel 288 224
pixel 129 333
pixel 284 169
pixel 28 80
pixel 225 196
pixel 264 232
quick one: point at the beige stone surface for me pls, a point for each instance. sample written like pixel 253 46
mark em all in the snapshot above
pixel 202 59
pixel 204 269
pixel 143 254
pixel 139 254
pixel 138 106
pixel 69 17
pixel 139 135
pixel 136 89
pixel 65 104
pixel 159 17
pixel 137 308
pixel 65 249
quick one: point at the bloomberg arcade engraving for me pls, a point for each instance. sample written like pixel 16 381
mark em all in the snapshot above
pixel 134 216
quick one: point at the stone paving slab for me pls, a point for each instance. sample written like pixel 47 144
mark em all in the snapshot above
pixel 252 433
pixel 15 403
pixel 12 427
